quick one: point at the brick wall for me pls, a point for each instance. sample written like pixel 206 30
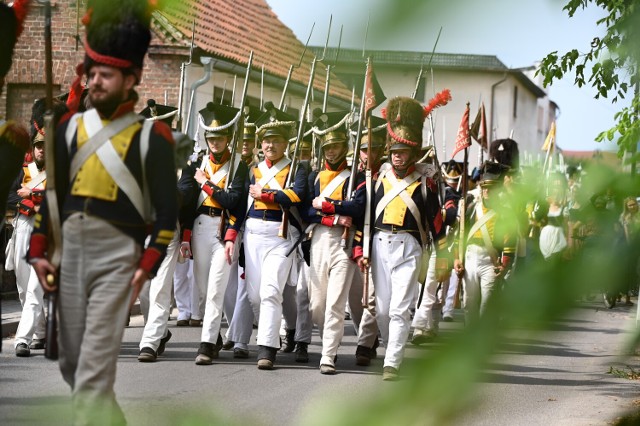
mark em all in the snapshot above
pixel 25 81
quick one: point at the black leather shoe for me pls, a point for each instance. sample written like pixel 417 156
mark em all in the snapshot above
pixel 363 356
pixel 207 352
pixel 228 345
pixel 22 350
pixel 266 357
pixel 163 342
pixel 289 344
pixel 37 344
pixel 240 353
pixel 147 355
pixel 302 354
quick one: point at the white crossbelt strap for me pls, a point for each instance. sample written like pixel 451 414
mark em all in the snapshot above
pixel 37 176
pixel 267 176
pixel 411 205
pixel 215 178
pixel 398 187
pixel 101 136
pixel 334 184
pixel 482 219
pixel 114 165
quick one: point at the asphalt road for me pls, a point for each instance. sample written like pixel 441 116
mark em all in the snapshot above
pixel 556 378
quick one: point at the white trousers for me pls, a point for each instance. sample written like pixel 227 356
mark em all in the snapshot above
pixel 354 303
pixel 160 298
pixel 304 325
pixel 395 267
pixel 241 324
pixel 211 272
pixel 428 313
pixel 478 282
pixel 266 273
pixel 368 329
pixel 331 275
pixel 449 305
pixel 30 292
pixel 183 289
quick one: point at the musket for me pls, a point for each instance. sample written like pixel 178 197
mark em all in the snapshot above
pixel 327 83
pixel 284 225
pixel 237 134
pixel 55 225
pixel 356 147
pixel 262 87
pixel 183 71
pixel 292 67
pixel 224 89
pixel 233 91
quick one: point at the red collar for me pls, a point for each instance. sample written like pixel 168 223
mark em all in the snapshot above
pixel 269 163
pixel 224 158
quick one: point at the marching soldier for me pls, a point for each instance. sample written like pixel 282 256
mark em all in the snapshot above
pixel 14 138
pixel 491 243
pixel 157 293
pixel 329 208
pixel 426 321
pixel 406 211
pixel 26 197
pixel 212 254
pixel 295 304
pixel 237 307
pixel 452 173
pixel 101 188
pixel 266 244
pixel 366 324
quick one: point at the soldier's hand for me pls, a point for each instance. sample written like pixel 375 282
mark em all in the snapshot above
pixel 44 268
pixel 200 177
pixel 458 267
pixel 139 278
pixel 228 251
pixel 317 203
pixel 255 191
pixel 500 271
pixel 185 249
pixel 363 263
pixel 345 221
pixel 24 192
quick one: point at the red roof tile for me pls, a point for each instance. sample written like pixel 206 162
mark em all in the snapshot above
pixel 231 28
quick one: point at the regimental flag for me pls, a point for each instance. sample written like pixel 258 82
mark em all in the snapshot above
pixel 463 140
pixel 550 141
pixel 478 129
pixel 373 95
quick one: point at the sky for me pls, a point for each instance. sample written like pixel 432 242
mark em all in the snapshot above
pixel 519 32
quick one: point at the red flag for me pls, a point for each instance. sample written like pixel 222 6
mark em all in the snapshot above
pixel 478 129
pixel 463 140
pixel 373 92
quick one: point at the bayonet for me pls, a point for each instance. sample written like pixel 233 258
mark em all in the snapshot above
pixel 292 67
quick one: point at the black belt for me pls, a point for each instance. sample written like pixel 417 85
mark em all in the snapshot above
pixel 210 211
pixel 395 229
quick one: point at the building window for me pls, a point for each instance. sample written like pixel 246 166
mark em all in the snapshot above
pixel 515 101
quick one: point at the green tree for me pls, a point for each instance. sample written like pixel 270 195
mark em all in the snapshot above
pixel 610 66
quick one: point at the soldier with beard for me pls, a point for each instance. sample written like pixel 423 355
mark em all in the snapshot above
pixel 108 162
